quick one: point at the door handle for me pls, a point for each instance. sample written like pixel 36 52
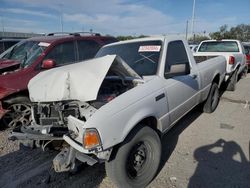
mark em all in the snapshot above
pixel 194 76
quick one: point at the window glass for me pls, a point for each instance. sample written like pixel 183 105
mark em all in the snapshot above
pixel 143 57
pixel 176 54
pixel 219 46
pixel 63 53
pixel 9 44
pixel 25 51
pixel 87 49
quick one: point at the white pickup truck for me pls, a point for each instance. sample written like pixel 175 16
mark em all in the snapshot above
pixel 117 106
pixel 234 53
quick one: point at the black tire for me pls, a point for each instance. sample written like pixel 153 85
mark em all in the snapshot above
pixel 232 82
pixel 140 154
pixel 212 100
pixel 19 114
pixel 244 73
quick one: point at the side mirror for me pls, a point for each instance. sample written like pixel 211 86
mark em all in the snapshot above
pixel 48 64
pixel 178 70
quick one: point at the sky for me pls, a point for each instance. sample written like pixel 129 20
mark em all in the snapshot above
pixel 121 17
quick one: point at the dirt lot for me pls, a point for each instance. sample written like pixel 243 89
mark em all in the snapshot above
pixel 202 150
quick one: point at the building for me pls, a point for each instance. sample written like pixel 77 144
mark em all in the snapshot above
pixel 17 35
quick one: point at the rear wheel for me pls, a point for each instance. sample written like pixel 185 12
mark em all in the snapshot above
pixel 212 100
pixel 136 162
pixel 232 82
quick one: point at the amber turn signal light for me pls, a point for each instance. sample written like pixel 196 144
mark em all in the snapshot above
pixel 91 139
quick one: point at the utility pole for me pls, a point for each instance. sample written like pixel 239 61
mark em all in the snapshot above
pixel 61 16
pixel 193 17
pixel 187 30
pixel 3 26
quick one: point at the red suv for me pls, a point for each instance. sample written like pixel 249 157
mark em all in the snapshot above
pixel 247 52
pixel 29 57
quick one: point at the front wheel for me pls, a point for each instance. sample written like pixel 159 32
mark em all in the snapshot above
pixel 212 100
pixel 136 162
pixel 19 113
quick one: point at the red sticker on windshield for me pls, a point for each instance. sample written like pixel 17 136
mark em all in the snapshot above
pixel 152 48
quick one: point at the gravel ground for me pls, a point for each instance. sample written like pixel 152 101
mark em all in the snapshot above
pixel 202 150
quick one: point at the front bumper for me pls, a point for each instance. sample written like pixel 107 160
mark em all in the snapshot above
pixel 34 132
pixel 66 159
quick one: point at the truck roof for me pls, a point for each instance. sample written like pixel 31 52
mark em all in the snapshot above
pixel 162 38
pixel 212 40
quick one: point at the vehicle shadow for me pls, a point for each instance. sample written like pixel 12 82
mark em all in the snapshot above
pixel 33 168
pixel 170 139
pixel 221 164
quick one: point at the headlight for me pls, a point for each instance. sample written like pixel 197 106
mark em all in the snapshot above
pixel 91 139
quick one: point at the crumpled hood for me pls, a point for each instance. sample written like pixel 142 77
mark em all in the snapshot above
pixel 6 64
pixel 79 81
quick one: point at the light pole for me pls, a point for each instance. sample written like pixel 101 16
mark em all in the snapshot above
pixel 3 25
pixel 193 17
pixel 187 30
pixel 61 15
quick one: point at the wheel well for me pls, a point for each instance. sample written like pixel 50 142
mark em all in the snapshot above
pixel 216 79
pixel 148 121
pixel 9 98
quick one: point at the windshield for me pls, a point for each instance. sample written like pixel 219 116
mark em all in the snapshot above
pixel 26 52
pixel 219 46
pixel 143 57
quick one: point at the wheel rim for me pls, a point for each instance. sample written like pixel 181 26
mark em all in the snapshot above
pixel 18 115
pixel 137 160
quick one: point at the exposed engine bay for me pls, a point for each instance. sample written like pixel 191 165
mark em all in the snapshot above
pixel 50 118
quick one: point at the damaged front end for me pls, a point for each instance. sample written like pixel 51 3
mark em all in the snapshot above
pixel 76 96
pixel 49 120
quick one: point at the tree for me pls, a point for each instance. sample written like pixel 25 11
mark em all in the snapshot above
pixel 197 39
pixel 239 32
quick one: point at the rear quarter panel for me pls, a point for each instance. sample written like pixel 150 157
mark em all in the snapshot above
pixel 208 70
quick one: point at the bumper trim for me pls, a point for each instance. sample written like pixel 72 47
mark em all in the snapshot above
pixel 75 145
pixel 28 136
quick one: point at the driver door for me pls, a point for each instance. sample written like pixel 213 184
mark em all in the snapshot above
pixel 181 90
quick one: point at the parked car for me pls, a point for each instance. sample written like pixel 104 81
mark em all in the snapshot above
pixel 7 43
pixel 232 50
pixel 247 52
pixel 193 47
pixel 29 57
pixel 115 108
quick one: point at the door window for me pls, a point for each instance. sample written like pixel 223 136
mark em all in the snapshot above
pixel 176 54
pixel 87 49
pixel 63 53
